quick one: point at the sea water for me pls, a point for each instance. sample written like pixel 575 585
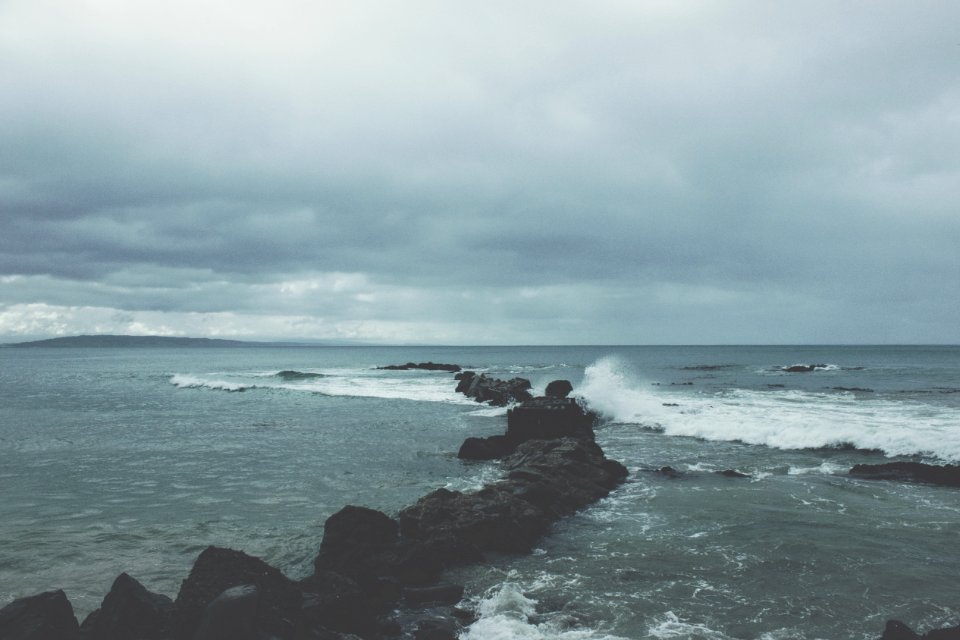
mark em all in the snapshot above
pixel 135 460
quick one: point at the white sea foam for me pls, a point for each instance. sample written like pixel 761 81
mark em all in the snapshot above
pixel 336 382
pixel 671 626
pixel 784 419
pixel 197 382
pixel 507 614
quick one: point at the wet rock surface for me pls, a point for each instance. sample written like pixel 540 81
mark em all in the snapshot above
pixel 498 393
pixel 945 475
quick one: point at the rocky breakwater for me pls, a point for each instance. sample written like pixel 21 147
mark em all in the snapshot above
pixel 372 570
pixel 496 392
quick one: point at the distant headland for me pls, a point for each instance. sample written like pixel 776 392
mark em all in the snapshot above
pixel 101 341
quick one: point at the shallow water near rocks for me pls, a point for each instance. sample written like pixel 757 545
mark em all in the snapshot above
pixel 134 460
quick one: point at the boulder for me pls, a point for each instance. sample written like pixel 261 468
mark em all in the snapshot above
pixel 946 475
pixel 45 616
pixel 334 602
pixel 492 390
pixel 561 476
pixel 217 570
pixel 485 448
pixel 492 519
pixel 558 389
pixel 548 418
pixel 232 615
pixel 359 543
pixel 128 611
pixel 896 630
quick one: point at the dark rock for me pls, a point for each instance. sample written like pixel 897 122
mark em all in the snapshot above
pixel 355 540
pixel 218 569
pixel 485 448
pixel 731 473
pixel 426 366
pixel 852 389
pixel 45 616
pixel 438 594
pixel 558 389
pixel 232 615
pixel 129 611
pixel 803 368
pixel 332 601
pixel 896 630
pixel 670 472
pixel 298 375
pixel 548 418
pixel 947 475
pixel 492 519
pixel 437 629
pixel 561 476
pixel 496 392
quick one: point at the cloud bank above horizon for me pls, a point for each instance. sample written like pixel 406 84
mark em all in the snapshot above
pixel 494 173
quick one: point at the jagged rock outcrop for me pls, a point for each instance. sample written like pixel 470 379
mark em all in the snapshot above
pixel 896 630
pixel 548 418
pixel 543 418
pixel 498 393
pixel 128 611
pixel 45 616
pixel 558 389
pixel 946 475
pixel 216 570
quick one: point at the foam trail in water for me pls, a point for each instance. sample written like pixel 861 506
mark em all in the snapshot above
pixel 342 382
pixel 780 419
pixel 194 382
pixel 506 613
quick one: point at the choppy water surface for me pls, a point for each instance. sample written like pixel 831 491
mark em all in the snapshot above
pixel 134 460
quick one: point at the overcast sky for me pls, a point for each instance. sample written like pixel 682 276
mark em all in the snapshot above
pixel 596 172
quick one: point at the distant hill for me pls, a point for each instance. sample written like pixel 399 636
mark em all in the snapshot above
pixel 136 341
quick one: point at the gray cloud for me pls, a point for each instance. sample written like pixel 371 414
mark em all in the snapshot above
pixel 585 173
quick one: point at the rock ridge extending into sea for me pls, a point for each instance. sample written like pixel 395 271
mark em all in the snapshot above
pixel 369 565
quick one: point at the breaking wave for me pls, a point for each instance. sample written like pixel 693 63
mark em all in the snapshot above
pixel 507 614
pixel 779 418
pixel 335 382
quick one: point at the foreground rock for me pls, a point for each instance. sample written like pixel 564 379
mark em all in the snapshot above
pixel 426 366
pixel 273 599
pixel 896 630
pixel 947 475
pixel 129 610
pixel 45 616
pixel 498 393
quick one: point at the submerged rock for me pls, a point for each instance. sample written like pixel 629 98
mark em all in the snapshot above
pixel 426 366
pixel 946 475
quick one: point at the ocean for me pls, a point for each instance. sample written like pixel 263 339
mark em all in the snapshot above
pixel 118 459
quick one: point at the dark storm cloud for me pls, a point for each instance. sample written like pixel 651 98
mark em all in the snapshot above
pixel 609 172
